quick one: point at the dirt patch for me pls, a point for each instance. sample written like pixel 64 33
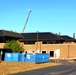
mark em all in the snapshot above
pixel 15 67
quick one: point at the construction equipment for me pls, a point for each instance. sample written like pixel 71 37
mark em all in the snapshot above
pixel 26 20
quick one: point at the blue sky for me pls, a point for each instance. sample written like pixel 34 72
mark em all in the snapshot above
pixel 46 16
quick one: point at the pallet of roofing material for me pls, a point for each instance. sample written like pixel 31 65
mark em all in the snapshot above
pixel 11 57
pixel 37 58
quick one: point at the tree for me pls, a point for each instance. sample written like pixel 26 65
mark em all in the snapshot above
pixel 14 45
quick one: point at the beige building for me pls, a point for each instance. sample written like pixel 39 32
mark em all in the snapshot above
pixel 47 42
pixel 62 47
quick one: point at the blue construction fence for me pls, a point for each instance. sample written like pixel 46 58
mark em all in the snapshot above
pixel 29 57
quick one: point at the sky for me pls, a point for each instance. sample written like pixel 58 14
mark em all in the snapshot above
pixel 47 16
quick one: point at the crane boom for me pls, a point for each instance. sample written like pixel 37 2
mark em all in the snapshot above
pixel 26 21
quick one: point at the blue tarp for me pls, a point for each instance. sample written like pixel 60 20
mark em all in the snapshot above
pixel 13 57
pixel 37 58
pixel 21 57
pixel 30 57
pixel 42 58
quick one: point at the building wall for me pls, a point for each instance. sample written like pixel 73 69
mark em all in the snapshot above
pixel 1 45
pixel 66 50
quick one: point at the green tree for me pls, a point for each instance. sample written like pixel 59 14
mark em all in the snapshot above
pixel 14 45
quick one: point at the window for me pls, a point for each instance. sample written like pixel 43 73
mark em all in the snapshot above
pixel 33 51
pixel 43 52
pixel 29 42
pixel 44 42
pixel 51 53
pixel 48 42
pixel 25 51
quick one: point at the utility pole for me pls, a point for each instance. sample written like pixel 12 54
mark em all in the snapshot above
pixel 37 41
pixel 68 52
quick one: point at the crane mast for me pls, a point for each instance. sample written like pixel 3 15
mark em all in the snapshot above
pixel 26 21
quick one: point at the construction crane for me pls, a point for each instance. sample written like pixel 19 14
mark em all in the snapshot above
pixel 26 20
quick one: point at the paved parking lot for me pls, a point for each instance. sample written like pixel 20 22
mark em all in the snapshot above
pixel 67 68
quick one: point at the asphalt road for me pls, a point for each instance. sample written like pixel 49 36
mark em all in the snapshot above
pixel 67 68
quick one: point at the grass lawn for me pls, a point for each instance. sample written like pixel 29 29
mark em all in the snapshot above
pixel 15 67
